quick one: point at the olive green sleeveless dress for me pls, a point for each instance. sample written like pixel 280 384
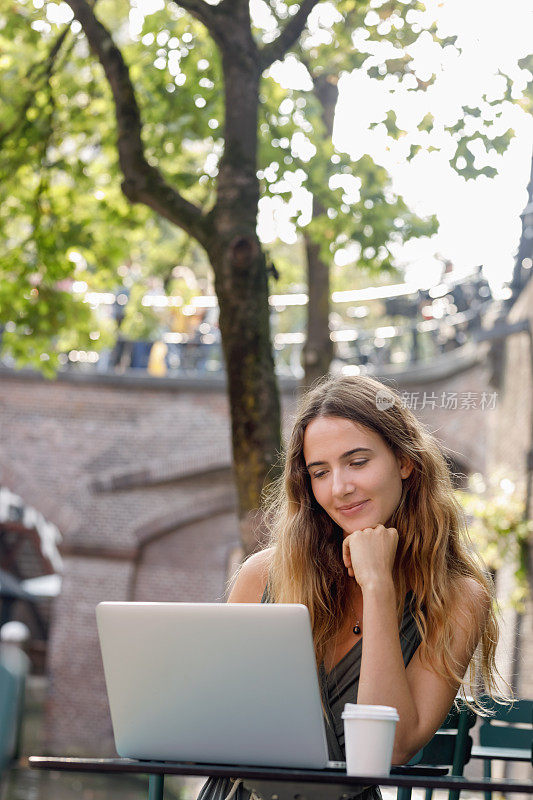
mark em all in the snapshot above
pixel 337 688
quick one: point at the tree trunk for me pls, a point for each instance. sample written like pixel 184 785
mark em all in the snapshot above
pixel 242 290
pixel 318 350
pixel 253 396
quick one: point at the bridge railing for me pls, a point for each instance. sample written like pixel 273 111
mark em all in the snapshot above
pixel 355 350
pixel 413 343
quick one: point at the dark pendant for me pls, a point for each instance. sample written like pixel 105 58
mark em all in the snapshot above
pixel 357 629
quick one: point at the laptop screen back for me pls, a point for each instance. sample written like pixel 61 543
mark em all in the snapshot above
pixel 213 682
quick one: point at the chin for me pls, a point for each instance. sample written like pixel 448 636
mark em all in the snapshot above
pixel 359 526
pixel 365 523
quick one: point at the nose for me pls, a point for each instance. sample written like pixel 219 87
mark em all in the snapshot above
pixel 342 483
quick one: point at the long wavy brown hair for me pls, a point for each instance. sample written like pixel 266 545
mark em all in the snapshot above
pixel 434 552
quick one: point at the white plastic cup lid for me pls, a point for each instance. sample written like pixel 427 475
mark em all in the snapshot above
pixel 355 711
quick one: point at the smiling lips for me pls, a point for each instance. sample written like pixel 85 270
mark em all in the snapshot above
pixel 352 508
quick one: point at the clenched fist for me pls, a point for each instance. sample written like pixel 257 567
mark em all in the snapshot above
pixel 369 554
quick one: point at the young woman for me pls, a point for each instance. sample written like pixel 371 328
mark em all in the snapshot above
pixel 366 532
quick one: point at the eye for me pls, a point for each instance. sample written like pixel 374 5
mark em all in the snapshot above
pixel 319 474
pixel 358 463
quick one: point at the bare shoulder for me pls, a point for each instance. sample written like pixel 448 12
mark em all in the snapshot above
pixel 251 579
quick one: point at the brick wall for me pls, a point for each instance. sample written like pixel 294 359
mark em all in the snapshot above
pixel 78 719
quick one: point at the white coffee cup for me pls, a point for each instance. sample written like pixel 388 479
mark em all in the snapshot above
pixel 369 738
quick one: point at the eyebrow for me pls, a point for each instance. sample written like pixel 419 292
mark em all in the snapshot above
pixel 344 455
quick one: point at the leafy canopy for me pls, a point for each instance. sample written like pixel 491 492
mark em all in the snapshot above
pixel 62 213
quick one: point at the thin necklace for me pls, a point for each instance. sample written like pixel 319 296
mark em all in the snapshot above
pixel 357 627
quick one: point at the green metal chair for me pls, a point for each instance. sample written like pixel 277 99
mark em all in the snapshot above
pixel 507 735
pixel 450 747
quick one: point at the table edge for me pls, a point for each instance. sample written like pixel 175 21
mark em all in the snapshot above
pixel 118 765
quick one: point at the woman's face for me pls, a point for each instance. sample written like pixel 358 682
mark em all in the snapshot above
pixel 355 476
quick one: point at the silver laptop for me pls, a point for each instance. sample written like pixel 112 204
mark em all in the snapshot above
pixel 219 683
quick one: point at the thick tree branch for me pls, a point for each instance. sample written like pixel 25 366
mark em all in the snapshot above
pixel 226 22
pixel 200 10
pixel 208 15
pixel 142 182
pixel 289 35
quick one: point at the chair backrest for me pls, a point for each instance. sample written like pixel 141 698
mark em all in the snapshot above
pixel 440 750
pixel 508 726
pixel 8 715
pixel 452 744
pixel 13 668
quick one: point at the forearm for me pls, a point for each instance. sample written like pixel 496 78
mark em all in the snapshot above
pixel 382 679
